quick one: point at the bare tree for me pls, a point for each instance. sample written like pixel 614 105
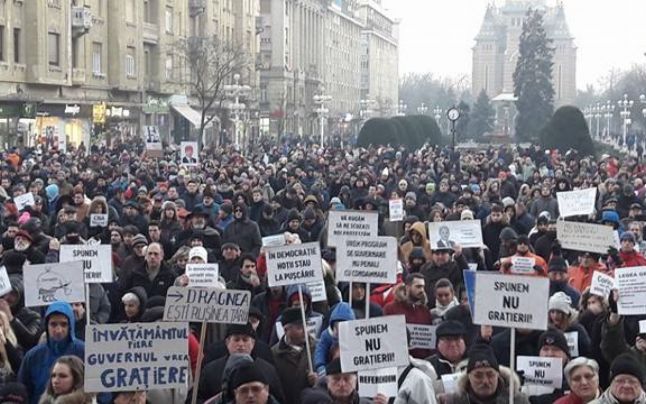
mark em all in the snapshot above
pixel 209 63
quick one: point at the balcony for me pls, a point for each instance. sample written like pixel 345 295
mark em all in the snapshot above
pixel 78 77
pixel 151 33
pixel 196 7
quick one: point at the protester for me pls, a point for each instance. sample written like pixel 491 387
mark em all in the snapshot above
pixel 66 383
pixel 582 375
pixel 626 382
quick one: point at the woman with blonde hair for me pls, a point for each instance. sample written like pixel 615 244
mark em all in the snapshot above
pixel 10 351
pixel 65 384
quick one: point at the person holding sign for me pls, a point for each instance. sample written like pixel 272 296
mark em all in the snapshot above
pixel 582 375
pixel 580 276
pixel 551 344
pixel 563 317
pixel 524 261
pixel 485 381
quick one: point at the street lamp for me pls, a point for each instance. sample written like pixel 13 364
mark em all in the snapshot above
pixel 364 108
pixel 422 109
pixel 401 109
pixel 626 104
pixel 437 111
pixel 320 100
pixel 609 110
pixel 588 116
pixel 597 114
pixel 234 92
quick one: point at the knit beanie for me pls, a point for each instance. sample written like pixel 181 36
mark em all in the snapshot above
pixel 555 338
pixel 626 364
pixel 481 356
pixel 561 302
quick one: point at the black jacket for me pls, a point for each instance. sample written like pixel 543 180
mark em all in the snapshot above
pixel 245 234
pixel 139 277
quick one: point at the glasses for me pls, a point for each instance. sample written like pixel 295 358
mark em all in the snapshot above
pixel 583 377
pixel 237 211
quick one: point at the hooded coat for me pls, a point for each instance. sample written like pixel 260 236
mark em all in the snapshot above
pixel 341 312
pixel 465 396
pixel 408 246
pixel 26 323
pixel 34 372
pixel 245 234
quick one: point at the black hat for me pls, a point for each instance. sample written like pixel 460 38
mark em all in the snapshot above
pixel 71 226
pixel 555 338
pixel 246 373
pixel 291 316
pixel 293 215
pixel 231 245
pixel 481 356
pixel 199 211
pixel 626 364
pixel 542 220
pixel 240 329
pixel 450 328
pixel 417 253
pixel 557 264
pixel 333 367
pixel 13 393
pixel 227 207
pixel 523 239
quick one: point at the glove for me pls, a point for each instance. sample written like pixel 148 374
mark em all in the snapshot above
pixel 506 266
pixel 538 268
pixel 612 303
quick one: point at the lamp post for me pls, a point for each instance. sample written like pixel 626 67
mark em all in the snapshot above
pixel 588 115
pixel 626 105
pixel 422 109
pixel 234 92
pixel 597 114
pixel 438 113
pixel 401 108
pixel 321 99
pixel 609 110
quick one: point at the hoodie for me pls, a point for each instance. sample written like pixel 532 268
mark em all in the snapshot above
pixel 407 247
pixel 34 372
pixel 341 312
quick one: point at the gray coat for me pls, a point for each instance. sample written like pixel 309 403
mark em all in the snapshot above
pixel 462 396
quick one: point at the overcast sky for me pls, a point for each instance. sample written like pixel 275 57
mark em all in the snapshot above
pixel 437 35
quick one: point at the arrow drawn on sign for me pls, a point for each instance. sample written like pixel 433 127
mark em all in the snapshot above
pixel 177 296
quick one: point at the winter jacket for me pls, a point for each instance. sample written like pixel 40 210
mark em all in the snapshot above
pixel 631 259
pixel 99 303
pixel 608 398
pixel 415 314
pixel 570 399
pixel 26 323
pixel 327 340
pixel 549 204
pixel 464 395
pixel 580 278
pixel 491 238
pixel 614 343
pixel 292 368
pixel 34 372
pixel 320 395
pixel 75 397
pixel 408 246
pixel 139 277
pixel 245 234
pixel 526 345
pixel 417 386
pixel 452 270
pixel 310 315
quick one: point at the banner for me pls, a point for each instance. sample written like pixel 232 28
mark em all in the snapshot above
pixel 631 284
pixel 351 224
pixel 369 260
pixel 378 381
pixel 422 336
pixel 585 236
pixel 576 203
pixel 465 233
pixel 189 154
pixel 153 141
pixel 207 304
pixel 136 356
pixel 203 275
pixel 24 200
pixel 47 283
pixel 294 264
pixel 274 241
pixel 373 344
pixel 522 265
pixel 540 371
pixel 396 210
pixel 314 325
pixel 97 260
pixel 511 301
pixel 602 284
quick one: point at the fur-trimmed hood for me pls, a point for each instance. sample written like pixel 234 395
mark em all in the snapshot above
pixel 502 396
pixel 75 397
pixel 402 297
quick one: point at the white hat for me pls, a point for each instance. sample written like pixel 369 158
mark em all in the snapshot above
pixel 561 302
pixel 198 252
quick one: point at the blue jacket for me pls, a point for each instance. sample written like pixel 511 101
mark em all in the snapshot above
pixel 35 369
pixel 341 312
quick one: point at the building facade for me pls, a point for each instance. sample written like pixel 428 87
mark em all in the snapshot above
pixel 496 50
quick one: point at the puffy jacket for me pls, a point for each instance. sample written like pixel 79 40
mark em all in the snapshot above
pixel 34 372
pixel 415 314
pixel 340 312
pixel 417 386
pixel 245 234
pixel 632 259
pixel 580 278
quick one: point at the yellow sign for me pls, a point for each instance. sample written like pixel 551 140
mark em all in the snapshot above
pixel 98 113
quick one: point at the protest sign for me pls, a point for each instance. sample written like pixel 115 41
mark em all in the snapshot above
pixel 136 356
pixel 465 233
pixel 207 304
pixel 450 382
pixel 511 301
pixel 97 260
pixel 274 241
pixel 396 210
pixel 24 200
pixel 314 325
pixel 203 275
pixel 602 284
pixel 522 265
pixel 99 220
pixel 585 236
pixel 47 283
pixel 631 283
pixel 153 141
pixel 373 344
pixel 378 381
pixel 573 343
pixel 369 260
pixel 422 336
pixel 539 371
pixel 317 291
pixel 294 264
pixel 189 154
pixel 5 284
pixel 575 203
pixel 351 224
pixel 642 326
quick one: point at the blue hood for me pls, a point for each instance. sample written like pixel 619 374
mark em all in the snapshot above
pixel 341 312
pixel 66 310
pixel 610 216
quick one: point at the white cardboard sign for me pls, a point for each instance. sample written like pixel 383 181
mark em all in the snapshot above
pixel 631 283
pixel 207 304
pixel 642 326
pixel 294 264
pixel 378 381
pixel 203 275
pixel 575 203
pixel 189 153
pixel 539 371
pixel 373 344
pixel 511 301
pixel 5 283
pixel 522 265
pixel 137 356
pixel 277 240
pixel 314 325
pixel 602 284
pixel 369 260
pixel 573 343
pixel 24 200
pixel 465 233
pixel 317 291
pixel 396 210
pixel 450 382
pixel 422 336
pixel 585 236
pixel 99 220
pixel 97 260
pixel 47 283
pixel 351 224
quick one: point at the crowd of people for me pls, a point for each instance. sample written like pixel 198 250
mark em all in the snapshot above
pixel 163 215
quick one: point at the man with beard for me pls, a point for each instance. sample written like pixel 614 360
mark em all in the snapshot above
pixel 491 231
pixel 23 245
pixel 523 251
pixel 416 260
pixel 243 231
pixel 198 221
pixel 191 197
pixel 257 206
pixel 8 237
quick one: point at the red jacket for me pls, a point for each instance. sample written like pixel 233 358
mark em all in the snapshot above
pixel 415 314
pixel 632 259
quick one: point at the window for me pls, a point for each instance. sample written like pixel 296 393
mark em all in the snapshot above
pixel 169 67
pixel 53 44
pixel 16 45
pixel 97 53
pixel 130 10
pixel 131 66
pixel 2 43
pixel 75 53
pixel 169 20
pixel 148 63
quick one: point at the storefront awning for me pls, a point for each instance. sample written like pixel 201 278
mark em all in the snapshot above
pixel 190 114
